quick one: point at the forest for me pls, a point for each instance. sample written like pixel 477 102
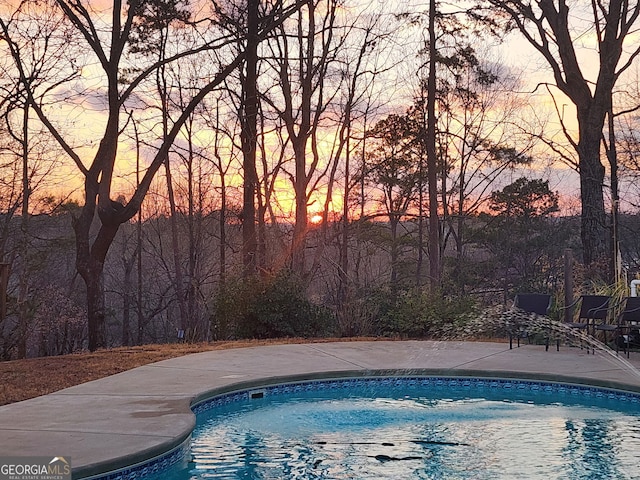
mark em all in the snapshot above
pixel 200 170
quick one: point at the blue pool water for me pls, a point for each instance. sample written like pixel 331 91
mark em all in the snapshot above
pixel 416 429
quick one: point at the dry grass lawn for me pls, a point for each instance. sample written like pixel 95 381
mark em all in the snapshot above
pixel 24 379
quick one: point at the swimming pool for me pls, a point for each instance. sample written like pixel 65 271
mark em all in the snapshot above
pixel 415 427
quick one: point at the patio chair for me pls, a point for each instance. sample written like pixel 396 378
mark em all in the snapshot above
pixel 538 303
pixel 627 325
pixel 593 308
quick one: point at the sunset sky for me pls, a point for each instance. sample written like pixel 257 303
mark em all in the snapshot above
pixel 84 119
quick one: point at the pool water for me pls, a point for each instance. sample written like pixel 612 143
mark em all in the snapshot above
pixel 401 431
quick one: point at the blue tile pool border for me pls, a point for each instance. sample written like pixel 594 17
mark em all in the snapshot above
pixel 420 381
pixel 152 466
pixel 180 453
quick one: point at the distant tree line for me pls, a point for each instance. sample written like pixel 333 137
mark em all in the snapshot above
pixel 515 246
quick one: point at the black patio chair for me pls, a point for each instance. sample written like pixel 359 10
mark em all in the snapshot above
pixel 627 325
pixel 593 308
pixel 537 303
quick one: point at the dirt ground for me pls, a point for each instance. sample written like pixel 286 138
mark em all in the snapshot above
pixel 24 379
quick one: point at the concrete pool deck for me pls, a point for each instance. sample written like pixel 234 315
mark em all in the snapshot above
pixel 126 418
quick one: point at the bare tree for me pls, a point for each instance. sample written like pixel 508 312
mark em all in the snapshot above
pixel 432 162
pixel 111 48
pixel 478 143
pixel 555 29
pixel 361 68
pixel 300 59
pixel 249 138
pixel 46 43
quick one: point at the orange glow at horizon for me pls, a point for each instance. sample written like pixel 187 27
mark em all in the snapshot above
pixel 316 219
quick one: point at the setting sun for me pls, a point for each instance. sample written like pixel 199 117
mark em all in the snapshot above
pixel 316 219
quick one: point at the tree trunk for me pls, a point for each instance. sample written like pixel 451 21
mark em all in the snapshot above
pixel 301 226
pixel 90 265
pixel 95 308
pixel 194 237
pixel 92 274
pixel 261 236
pixel 23 310
pixel 222 225
pixel 393 224
pixel 249 142
pixel 175 246
pixel 592 172
pixel 432 173
pixel 421 212
pixel 222 218
pixel 138 255
pixel 343 271
pixel 127 289
pixel 126 302
pixel 612 155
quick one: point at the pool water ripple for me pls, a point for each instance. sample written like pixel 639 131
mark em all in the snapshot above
pixel 415 429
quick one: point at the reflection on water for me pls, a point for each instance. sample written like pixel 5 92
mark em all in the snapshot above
pixel 450 434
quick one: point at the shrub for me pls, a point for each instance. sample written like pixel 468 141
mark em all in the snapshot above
pixel 270 307
pixel 416 313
